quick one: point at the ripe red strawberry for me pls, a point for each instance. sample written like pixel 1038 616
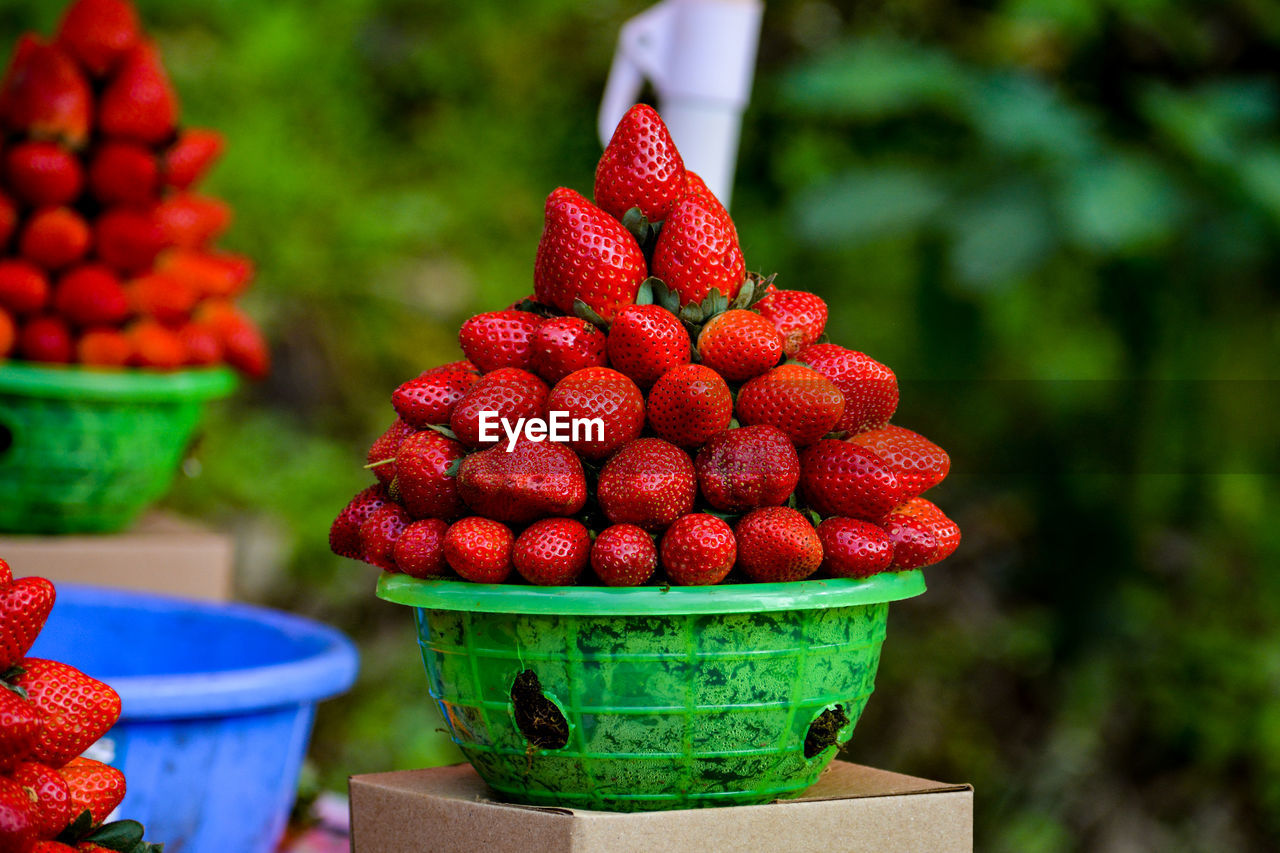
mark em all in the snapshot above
pixel 799 316
pixel 739 344
pixel 430 398
pixel 8 219
pixel 104 348
pixel 586 254
pixel 507 392
pixel 155 346
pixel 698 550
pixel 802 403
pixel 126 239
pixel 378 535
pixel 18 818
pixel 426 486
pixel 922 534
pixel 94 786
pixel 777 544
pixel 552 552
pixel 46 339
pixel 839 478
pixel 79 709
pixel 694 185
pixel 91 295
pixel 624 555
pixel 344 534
pixel 697 250
pixel 853 548
pixel 43 174
pixel 536 479
pixel 479 549
pixel 24 606
pixel 23 287
pixel 645 341
pixel 52 808
pixel 499 339
pixel 20 723
pixel 754 466
pixel 202 345
pixel 6 573
pixel 190 157
pixel 689 405
pixel 419 552
pixel 54 237
pixel 640 167
pixel 124 173
pixel 870 389
pixel 59 847
pixel 44 95
pixel 190 221
pixel 242 343
pixel 598 393
pixel 217 275
pixel 8 333
pixel 139 103
pixel 562 345
pixel 649 483
pixel 385 447
pixel 918 463
pixel 99 33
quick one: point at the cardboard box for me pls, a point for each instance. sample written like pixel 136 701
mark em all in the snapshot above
pixel 162 553
pixel 851 809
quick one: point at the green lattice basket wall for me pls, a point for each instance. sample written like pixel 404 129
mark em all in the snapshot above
pixel 87 451
pixel 689 697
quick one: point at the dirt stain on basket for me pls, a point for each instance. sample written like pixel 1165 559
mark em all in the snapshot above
pixel 824 730
pixel 537 717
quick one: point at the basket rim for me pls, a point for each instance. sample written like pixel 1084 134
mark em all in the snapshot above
pixel 133 384
pixel 649 600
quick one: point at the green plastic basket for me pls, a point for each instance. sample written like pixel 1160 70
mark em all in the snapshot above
pixel 86 451
pixel 662 698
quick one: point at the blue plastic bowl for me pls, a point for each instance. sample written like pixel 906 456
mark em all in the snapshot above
pixel 218 702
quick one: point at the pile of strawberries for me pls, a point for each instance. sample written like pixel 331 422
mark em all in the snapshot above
pixel 106 254
pixel 51 799
pixel 736 443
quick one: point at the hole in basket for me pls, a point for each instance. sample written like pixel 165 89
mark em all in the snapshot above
pixel 824 730
pixel 537 717
pixel 6 439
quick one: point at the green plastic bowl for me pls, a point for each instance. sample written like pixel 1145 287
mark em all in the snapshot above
pixel 650 698
pixel 86 451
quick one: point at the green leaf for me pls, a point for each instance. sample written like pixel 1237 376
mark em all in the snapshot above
pixel 745 293
pixel 691 313
pixel 665 296
pixel 586 312
pixel 443 430
pixel 122 835
pixel 868 203
pixel 82 823
pixel 644 296
pixel 636 222
pixel 454 467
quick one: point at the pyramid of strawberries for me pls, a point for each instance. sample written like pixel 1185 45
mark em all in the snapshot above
pixel 106 249
pixel 652 414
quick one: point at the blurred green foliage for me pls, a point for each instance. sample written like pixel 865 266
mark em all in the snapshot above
pixel 1058 220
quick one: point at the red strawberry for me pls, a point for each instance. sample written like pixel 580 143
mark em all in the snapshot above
pixel 419 552
pixel 777 544
pixel 124 173
pixel 499 339
pixel 918 462
pixel 536 479
pixel 126 239
pixel 43 174
pixel 423 478
pixel 139 103
pixel 378 535
pixel 8 333
pixel 59 847
pixel 479 549
pixel 202 345
pixel 585 254
pixel 242 343
pixel 24 605
pixel 697 251
pixel 23 287
pixel 430 398
pixel 802 403
pixel 507 392
pixel 219 275
pixel 698 550
pixel 800 317
pixel 80 709
pixel 922 534
pixel 94 786
pixel 46 339
pixel 44 94
pixel 6 573
pixel 20 724
pixel 645 341
pixel 55 237
pixel 190 157
pixel 562 345
pixel 640 167
pixel 163 297
pixel 694 185
pixel 18 817
pixel 53 800
pixel 597 394
pixel 624 555
pixel 739 344
pixel 552 552
pixel 104 348
pixel 344 535
pixel 91 295
pixel 689 405
pixel 839 478
pixel 156 346
pixel 853 548
pixel 190 221
pixel 8 219
pixel 649 483
pixel 870 389
pixel 745 468
pixel 99 32
pixel 385 448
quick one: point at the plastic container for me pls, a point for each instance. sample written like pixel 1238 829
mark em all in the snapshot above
pixel 217 701
pixel 650 698
pixel 88 450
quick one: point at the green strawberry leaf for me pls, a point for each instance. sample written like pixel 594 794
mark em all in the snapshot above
pixel 586 312
pixel 665 296
pixel 644 296
pixel 793 501
pixel 692 313
pixel 443 430
pixel 638 224
pixel 148 847
pixel 122 835
pixel 77 828
pixel 454 467
pixel 745 294
pixel 838 434
pixel 813 517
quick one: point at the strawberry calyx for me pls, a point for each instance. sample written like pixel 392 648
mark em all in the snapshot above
pixel 123 836
pixel 645 232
